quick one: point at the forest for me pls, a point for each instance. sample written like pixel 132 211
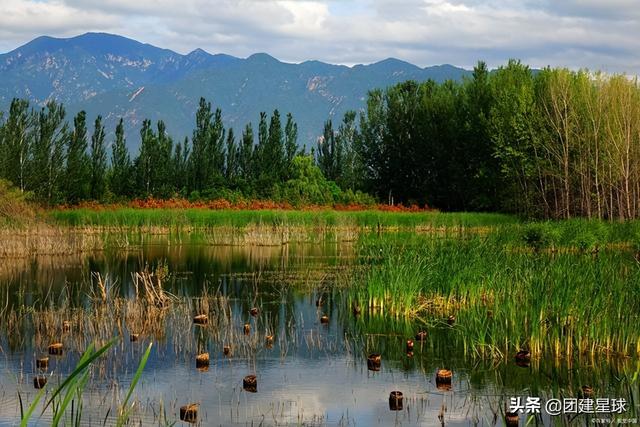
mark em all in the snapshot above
pixel 551 143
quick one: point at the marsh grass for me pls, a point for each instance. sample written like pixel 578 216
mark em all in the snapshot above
pixel 557 303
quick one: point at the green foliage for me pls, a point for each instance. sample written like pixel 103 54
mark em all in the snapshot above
pixel 540 235
pixel 48 153
pixel 307 184
pixel 78 174
pixel 120 174
pixel 98 161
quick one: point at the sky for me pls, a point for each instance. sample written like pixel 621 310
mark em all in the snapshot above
pixel 595 34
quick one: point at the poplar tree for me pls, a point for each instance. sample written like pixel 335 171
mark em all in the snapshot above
pixel 120 179
pixel 77 177
pixel 98 160
pixel 48 153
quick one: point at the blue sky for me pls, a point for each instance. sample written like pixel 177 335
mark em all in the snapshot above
pixel 593 34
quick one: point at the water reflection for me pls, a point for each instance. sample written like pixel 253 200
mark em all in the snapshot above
pixel 309 372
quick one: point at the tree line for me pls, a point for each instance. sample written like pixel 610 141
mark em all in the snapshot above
pixel 549 143
pixel 61 162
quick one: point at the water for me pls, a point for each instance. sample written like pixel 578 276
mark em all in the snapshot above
pixel 312 374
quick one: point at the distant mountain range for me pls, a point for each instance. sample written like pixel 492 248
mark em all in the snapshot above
pixel 119 77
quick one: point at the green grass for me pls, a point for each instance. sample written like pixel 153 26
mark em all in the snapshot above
pixel 505 299
pixel 242 218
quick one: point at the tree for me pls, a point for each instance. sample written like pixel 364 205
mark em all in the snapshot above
pixel 77 177
pixel 17 137
pixel 120 179
pixel 181 166
pixel 163 171
pixel 98 161
pixel 199 164
pixel 290 142
pixel 246 168
pixel 308 184
pixel 215 151
pixel 144 162
pixel 232 166
pixel 346 137
pixel 48 149
pixel 326 154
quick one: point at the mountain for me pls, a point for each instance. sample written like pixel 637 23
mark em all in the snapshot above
pixel 119 77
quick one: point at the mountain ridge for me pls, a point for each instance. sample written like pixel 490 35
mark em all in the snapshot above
pixel 116 76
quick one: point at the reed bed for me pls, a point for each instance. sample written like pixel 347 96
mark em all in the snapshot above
pixel 241 218
pixel 42 239
pixel 503 301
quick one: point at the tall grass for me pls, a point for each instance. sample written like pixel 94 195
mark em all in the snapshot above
pixel 243 218
pixel 565 303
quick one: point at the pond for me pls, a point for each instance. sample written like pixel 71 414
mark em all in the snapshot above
pixel 306 345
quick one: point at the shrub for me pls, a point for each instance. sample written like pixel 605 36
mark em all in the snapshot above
pixel 540 235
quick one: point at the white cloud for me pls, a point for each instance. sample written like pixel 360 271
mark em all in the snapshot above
pixel 576 33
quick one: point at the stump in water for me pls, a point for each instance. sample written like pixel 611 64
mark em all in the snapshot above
pixel 324 319
pixel 512 419
pixel 374 361
pixel 421 336
pixel 226 350
pixel 56 349
pixel 201 319
pixel 247 328
pixel 587 391
pixel 189 413
pixel 202 362
pixel 443 379
pixel 42 363
pixel 356 309
pixel 523 356
pixel 250 383
pixel 395 401
pixel 39 381
pixel 254 311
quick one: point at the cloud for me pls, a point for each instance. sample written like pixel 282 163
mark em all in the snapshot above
pixel 574 33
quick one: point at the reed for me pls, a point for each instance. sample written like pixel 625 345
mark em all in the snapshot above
pixel 503 300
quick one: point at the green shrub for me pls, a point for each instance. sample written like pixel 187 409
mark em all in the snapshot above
pixel 540 235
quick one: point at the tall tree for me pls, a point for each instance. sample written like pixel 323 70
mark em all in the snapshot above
pixel 199 161
pixel 144 162
pixel 18 138
pixel 98 161
pixel 181 165
pixel 77 177
pixel 290 142
pixel 245 156
pixel 120 179
pixel 232 163
pixel 163 166
pixel 215 152
pixel 326 154
pixel 47 167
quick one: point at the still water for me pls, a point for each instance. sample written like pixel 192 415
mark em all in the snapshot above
pixel 310 373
